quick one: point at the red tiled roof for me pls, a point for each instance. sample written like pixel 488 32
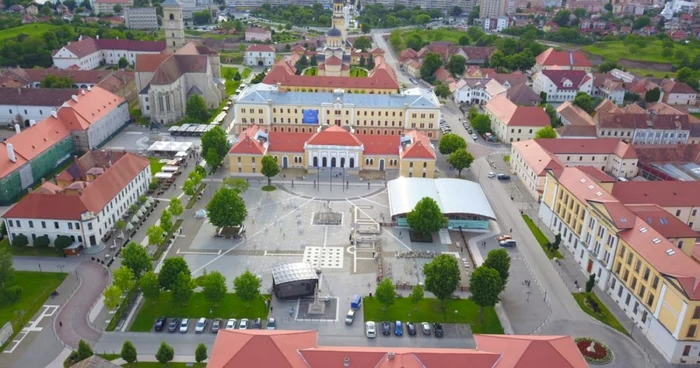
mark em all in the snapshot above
pixel 267 348
pixel 257 30
pixel 419 148
pixel 334 136
pixel 288 142
pixel 551 57
pixel 660 153
pixel 37 139
pixel 380 144
pixel 333 60
pixel 532 351
pixel 379 78
pixel 261 48
pixel 662 221
pixel 662 193
pixel 597 174
pixel 248 144
pixel 88 45
pixel 150 62
pixel 672 86
pixel 588 146
pixel 94 197
pixel 577 131
pixel 558 77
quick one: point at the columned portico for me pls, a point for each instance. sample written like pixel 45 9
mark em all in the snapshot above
pixel 348 157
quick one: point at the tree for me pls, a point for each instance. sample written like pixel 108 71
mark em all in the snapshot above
pixel 580 13
pixel 363 43
pixel 155 234
pixel 417 294
pixel 370 62
pixel 481 123
pixel 269 168
pixel 362 62
pixel 175 207
pixel 53 81
pixel 182 288
pixel 552 112
pixel 365 28
pixel 20 240
pixel 590 283
pixel 442 90
pixel 119 225
pixel 7 270
pixel 546 132
pixel 128 352
pixel 557 241
pixel 226 208
pixel 196 109
pixel 641 22
pixel 172 267
pixel 117 9
pixel 201 171
pixel 499 260
pixel 150 287
pixel 652 95
pixel 42 241
pixel 216 139
pixel 213 158
pixel 137 259
pixel 313 61
pixel 84 350
pixel 460 159
pixel 608 6
pixel 123 63
pixel 46 10
pixel 165 353
pixel 166 221
pixel 238 25
pixel 456 65
pixel 426 217
pixel 112 295
pixel 667 52
pixel 456 11
pixel 585 102
pixel 202 17
pixel 450 143
pixel 214 287
pixel 431 63
pixel 247 287
pixel 200 354
pixel 195 176
pixel 123 278
pixel 415 42
pixel 463 40
pixel 442 276
pixel 485 285
pixel 189 187
pixel 688 76
pixel 386 293
pixel 562 18
pixel 395 40
pixel 607 66
pixel 240 185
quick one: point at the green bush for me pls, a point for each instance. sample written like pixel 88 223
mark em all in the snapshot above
pixel 42 242
pixel 20 240
pixel 71 360
pixel 13 293
pixel 62 242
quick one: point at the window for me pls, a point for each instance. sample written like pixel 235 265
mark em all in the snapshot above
pixel 70 226
pixel 77 225
pixel 619 291
pixel 655 283
pixel 686 350
pixel 633 285
pixel 646 274
pixel 650 300
pixel 637 266
pixel 692 329
pixel 89 225
pixel 627 300
pixel 55 224
pixel 31 224
pixel 678 212
pixel 43 224
pixel 696 313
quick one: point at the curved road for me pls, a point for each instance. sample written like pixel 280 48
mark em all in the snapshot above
pixel 74 314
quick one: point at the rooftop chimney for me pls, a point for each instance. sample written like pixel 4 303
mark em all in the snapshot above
pixel 75 98
pixel 391 355
pixel 80 38
pixel 17 129
pixel 346 362
pixel 11 152
pixel 54 114
pixel 82 91
pixel 32 123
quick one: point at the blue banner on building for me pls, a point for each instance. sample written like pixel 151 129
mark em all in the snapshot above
pixel 309 117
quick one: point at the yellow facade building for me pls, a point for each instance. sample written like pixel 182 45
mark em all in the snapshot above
pixel 640 255
pixel 410 154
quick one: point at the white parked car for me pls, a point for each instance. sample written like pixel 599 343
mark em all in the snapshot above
pixel 231 324
pixel 184 325
pixel 371 329
pixel 244 324
pixel 201 325
pixel 492 174
pixel 475 137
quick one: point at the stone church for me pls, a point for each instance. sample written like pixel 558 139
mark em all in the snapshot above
pixel 166 81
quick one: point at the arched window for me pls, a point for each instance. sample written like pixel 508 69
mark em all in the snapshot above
pixel 352 162
pixel 173 34
pixel 315 161
pixel 324 162
pixel 172 17
pixel 342 162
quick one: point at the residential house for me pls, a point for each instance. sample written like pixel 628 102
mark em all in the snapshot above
pixel 552 59
pixel 477 91
pixel 32 9
pixel 512 123
pixel 259 55
pixel 607 86
pixel 570 114
pixel 678 93
pixel 659 123
pixel 562 85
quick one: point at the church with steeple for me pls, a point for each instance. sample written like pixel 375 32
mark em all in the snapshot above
pixel 337 50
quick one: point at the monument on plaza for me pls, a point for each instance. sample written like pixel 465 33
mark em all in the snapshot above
pixel 318 306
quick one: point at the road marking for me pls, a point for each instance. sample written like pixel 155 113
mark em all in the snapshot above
pixel 134 133
pixel 266 254
pixel 48 311
pixel 377 203
pixel 198 253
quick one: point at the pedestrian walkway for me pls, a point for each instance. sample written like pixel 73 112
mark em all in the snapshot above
pixel 152 358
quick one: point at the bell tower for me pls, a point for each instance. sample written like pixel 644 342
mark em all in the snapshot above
pixel 339 18
pixel 173 25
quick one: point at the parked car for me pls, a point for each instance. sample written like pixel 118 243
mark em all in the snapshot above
pixel 508 243
pixel 386 328
pixel 475 137
pixel 160 324
pixel 257 324
pixel 504 237
pixel 231 324
pixel 350 317
pixel 244 324
pixel 200 325
pixel 271 324
pixel 371 329
pixel 184 325
pixel 439 332
pixel 411 328
pixel 216 325
pixel 492 174
pixel 425 328
pixel 503 177
pixel 398 328
pixel 172 326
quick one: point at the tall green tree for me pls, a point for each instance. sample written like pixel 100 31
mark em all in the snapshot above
pixel 546 132
pixel 155 234
pixel 216 139
pixel 183 288
pixel 240 185
pixel 226 208
pixel 363 43
pixel 385 293
pixel 552 113
pixel 247 287
pixel 123 63
pixel 200 354
pixel 485 285
pixel 170 270
pixel 269 168
pixel 189 187
pixel 112 296
pixel 196 109
pixel 652 95
pixel 442 277
pixel 137 259
pixel 426 217
pixel 129 353
pixel 442 90
pixel 365 28
pixel 463 40
pixel 460 159
pixel 214 287
pixel 499 260
pixel 585 102
pixel 165 353
pixel 481 123
pixel 150 287
pixel 415 42
pixel 53 81
pixel 7 270
pixel 431 63
pixel 166 221
pixel 456 65
pixel 84 350
pixel 450 143
pixel 417 294
pixel 590 283
pixel 123 278
pixel 175 207
pixel 214 159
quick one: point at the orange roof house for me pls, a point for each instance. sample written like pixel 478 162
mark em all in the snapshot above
pixel 562 60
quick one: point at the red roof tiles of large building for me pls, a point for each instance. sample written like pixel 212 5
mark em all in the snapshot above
pixel 559 77
pixel 512 115
pixel 419 147
pixel 92 196
pixel 673 86
pixel 248 143
pixel 662 221
pixel 299 349
pixel 334 136
pixel 288 142
pixel 551 57
pixel 89 45
pixel 380 144
pixel 598 146
pixel 662 193
pixel 379 78
pixel 260 48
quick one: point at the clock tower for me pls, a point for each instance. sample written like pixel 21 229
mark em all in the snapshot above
pixel 173 25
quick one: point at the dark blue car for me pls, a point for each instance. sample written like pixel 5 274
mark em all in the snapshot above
pixel 398 328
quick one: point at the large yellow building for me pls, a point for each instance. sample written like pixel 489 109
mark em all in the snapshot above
pixel 411 154
pixel 277 110
pixel 640 255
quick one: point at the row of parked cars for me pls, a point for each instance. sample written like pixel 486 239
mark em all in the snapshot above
pixel 183 325
pixel 398 329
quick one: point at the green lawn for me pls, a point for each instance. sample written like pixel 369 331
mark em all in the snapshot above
pixel 156 165
pixel 30 251
pixel 231 86
pixel 231 307
pixel 285 36
pixel 697 115
pixel 358 72
pixel 246 72
pixel 428 310
pixel 231 57
pixel 653 73
pixel 437 34
pixel 135 111
pixel 311 71
pixel 228 71
pixel 614 50
pixel 36 29
pixel 541 238
pixel 36 288
pixel 110 357
pixel 603 314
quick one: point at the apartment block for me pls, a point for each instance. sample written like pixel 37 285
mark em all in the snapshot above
pixel 141 18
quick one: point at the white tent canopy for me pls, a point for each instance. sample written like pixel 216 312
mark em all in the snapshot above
pixel 169 168
pixel 162 175
pixel 181 154
pixel 452 195
pixel 169 146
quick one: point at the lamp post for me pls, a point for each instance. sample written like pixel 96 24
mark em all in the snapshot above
pixel 330 181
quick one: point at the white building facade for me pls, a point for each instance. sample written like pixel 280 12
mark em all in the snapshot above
pixel 562 85
pixel 259 55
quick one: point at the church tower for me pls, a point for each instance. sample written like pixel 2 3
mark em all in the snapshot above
pixel 339 18
pixel 173 25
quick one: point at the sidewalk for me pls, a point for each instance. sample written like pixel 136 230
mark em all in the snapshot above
pixel 152 358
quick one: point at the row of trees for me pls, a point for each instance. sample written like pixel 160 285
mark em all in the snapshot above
pixel 164 355
pixel 379 16
pixel 315 15
pixel 456 147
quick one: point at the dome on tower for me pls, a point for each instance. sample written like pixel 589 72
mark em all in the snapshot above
pixel 334 32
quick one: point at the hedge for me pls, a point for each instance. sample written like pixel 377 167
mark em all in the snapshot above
pixel 166 239
pixel 193 199
pixel 122 309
